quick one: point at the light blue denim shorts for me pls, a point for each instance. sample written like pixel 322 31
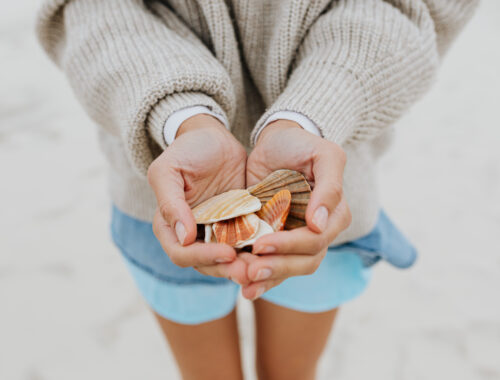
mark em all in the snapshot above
pixel 185 296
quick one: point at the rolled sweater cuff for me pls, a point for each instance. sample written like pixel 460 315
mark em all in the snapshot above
pixel 330 96
pixel 173 103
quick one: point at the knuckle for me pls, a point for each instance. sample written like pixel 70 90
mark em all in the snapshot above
pixel 164 209
pixel 336 192
pixel 178 261
pixel 284 270
pixel 319 243
pixel 316 262
pixel 312 267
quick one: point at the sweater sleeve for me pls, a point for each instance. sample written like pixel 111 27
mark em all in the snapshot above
pixel 364 62
pixel 132 66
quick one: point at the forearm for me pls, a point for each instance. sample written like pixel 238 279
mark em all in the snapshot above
pixel 131 69
pixel 364 62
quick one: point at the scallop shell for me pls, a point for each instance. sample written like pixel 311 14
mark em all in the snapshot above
pixel 293 222
pixel 237 230
pixel 275 211
pixel 225 206
pixel 292 181
pixel 264 229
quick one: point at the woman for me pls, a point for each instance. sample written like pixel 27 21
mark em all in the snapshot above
pixel 180 88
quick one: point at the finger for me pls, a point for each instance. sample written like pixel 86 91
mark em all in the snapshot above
pixel 303 241
pixel 276 267
pixel 235 271
pixel 168 185
pixel 257 289
pixel 194 254
pixel 328 168
pixel 270 271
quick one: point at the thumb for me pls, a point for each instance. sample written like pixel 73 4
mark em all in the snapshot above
pixel 328 170
pixel 168 186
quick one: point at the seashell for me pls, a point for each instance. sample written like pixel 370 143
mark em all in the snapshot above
pixel 275 211
pixel 209 236
pixel 225 206
pixel 237 230
pixel 280 179
pixel 293 222
pixel 292 181
pixel 264 229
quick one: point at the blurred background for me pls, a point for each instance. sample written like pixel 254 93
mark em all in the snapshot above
pixel 69 309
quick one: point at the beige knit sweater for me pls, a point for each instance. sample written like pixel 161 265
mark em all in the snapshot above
pixel 351 66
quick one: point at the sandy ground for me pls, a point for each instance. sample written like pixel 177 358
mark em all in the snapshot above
pixel 69 310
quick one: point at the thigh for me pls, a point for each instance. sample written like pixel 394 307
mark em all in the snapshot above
pixel 289 342
pixel 205 351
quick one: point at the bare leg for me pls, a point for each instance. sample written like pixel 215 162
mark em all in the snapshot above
pixel 289 343
pixel 206 351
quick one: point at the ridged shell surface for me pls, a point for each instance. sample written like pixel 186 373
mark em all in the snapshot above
pixel 264 229
pixel 237 230
pixel 225 206
pixel 275 211
pixel 294 182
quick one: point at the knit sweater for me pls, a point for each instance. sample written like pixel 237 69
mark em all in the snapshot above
pixel 352 67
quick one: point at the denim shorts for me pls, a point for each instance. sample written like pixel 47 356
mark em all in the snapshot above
pixel 186 296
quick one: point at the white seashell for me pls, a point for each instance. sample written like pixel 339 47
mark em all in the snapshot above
pixel 208 233
pixel 264 229
pixel 225 206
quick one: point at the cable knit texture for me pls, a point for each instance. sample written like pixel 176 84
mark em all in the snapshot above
pixel 351 66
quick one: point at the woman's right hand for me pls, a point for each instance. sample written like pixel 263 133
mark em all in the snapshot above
pixel 204 160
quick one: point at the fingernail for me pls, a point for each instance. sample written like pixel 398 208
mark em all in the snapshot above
pixel 180 231
pixel 265 249
pixel 320 218
pixel 263 274
pixel 222 260
pixel 260 292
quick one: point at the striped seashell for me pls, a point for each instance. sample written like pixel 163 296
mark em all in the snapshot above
pixel 225 206
pixel 237 230
pixel 293 222
pixel 294 182
pixel 275 211
pixel 264 229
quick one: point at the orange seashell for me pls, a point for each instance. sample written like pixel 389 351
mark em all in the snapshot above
pixel 298 187
pixel 225 206
pixel 275 211
pixel 237 230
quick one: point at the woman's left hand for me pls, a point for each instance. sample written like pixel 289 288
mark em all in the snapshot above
pixel 284 144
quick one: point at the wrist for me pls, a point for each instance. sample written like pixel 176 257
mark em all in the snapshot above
pixel 198 122
pixel 277 125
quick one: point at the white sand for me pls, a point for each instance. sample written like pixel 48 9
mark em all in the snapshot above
pixel 69 310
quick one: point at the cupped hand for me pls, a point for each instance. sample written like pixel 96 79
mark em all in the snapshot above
pixel 284 144
pixel 204 160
